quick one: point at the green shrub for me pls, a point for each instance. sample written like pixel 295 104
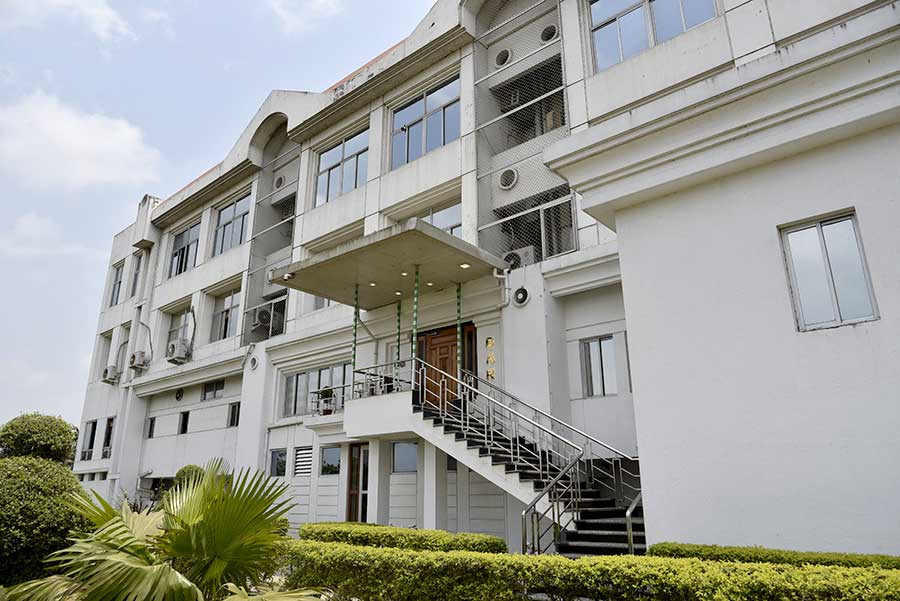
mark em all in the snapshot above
pixel 36 435
pixel 371 573
pixel 188 473
pixel 372 535
pixel 35 517
pixel 761 554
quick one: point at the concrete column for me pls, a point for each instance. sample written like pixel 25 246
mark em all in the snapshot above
pixel 379 481
pixel 434 489
pixel 462 498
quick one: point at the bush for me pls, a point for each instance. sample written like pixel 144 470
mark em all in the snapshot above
pixel 372 535
pixel 370 573
pixel 35 518
pixel 761 554
pixel 36 435
pixel 188 473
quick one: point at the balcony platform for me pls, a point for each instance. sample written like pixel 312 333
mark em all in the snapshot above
pixel 383 264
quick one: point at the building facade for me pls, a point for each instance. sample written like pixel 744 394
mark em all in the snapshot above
pixel 625 267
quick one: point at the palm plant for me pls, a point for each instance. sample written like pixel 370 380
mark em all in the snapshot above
pixel 213 538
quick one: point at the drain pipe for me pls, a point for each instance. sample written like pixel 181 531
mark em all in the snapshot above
pixel 503 276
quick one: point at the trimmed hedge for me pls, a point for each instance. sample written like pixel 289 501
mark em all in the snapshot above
pixel 761 554
pixel 36 435
pixel 370 574
pixel 373 535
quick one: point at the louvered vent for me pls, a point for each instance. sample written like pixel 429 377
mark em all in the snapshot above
pixel 303 457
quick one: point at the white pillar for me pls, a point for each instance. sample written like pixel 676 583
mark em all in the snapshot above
pixel 434 476
pixel 379 482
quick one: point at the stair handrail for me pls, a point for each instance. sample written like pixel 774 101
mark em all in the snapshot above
pixel 629 530
pixel 552 418
pixel 532 507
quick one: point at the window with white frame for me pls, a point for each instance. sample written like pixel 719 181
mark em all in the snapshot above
pixel 234 415
pixel 231 228
pixel 449 219
pixel 178 326
pixel 622 28
pixel 303 393
pixel 425 124
pixel 598 357
pixel 213 390
pixel 116 288
pixel 184 250
pixel 342 168
pixel 136 273
pixel 87 443
pixel 830 282
pixel 225 315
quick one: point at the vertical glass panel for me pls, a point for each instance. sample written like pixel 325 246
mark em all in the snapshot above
pixel 451 123
pixel 698 11
pixel 290 394
pixel 398 149
pixel 325 378
pixel 850 285
pixel 810 276
pixel 606 46
pixel 666 19
pixel 322 189
pixel 237 234
pixel 608 352
pixel 330 158
pixel 434 131
pixel 350 174
pixel 356 143
pixel 226 214
pixel 595 371
pixel 226 236
pixel 415 142
pixel 362 168
pixel 242 206
pixel 302 392
pixel 602 10
pixel 334 182
pixel 409 113
pixel 634 33
pixel 443 95
pixel 448 217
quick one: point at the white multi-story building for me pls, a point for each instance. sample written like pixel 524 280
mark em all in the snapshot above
pixel 615 265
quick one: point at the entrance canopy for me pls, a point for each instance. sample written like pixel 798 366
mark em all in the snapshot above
pixel 383 264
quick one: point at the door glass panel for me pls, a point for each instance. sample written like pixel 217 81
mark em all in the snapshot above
pixel 850 286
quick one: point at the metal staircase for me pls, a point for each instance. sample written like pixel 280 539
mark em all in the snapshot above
pixel 586 497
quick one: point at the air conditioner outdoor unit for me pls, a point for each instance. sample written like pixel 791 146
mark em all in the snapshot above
pixel 138 361
pixel 520 257
pixel 111 374
pixel 178 352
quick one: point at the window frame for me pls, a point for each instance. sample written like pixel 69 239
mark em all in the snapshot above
pixel 182 327
pixel 426 114
pixel 587 378
pixel 217 388
pixel 244 218
pixel 182 254
pixel 108 433
pixel 272 463
pixel 649 26
pixel 89 440
pixel 115 291
pixel 234 415
pixel 322 451
pixel 342 144
pixel 136 265
pixel 184 423
pixel 794 290
pixel 394 469
pixel 226 318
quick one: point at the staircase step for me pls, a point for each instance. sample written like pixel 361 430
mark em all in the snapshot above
pixel 589 548
pixel 602 536
pixel 618 524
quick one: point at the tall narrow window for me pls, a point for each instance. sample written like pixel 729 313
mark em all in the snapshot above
pixel 231 228
pixel 178 326
pixel 428 122
pixel 136 273
pixel 116 284
pixel 184 419
pixel 829 279
pixel 225 316
pixel 278 463
pixel 87 443
pixel 342 168
pixel 107 437
pixel 151 427
pixel 184 250
pixel 234 415
pixel 599 361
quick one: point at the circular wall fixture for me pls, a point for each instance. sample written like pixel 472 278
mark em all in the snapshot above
pixel 508 179
pixel 549 33
pixel 254 362
pixel 520 296
pixel 179 394
pixel 502 58
pixel 279 181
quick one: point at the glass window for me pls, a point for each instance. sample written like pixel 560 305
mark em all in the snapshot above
pixel 232 225
pixel 405 457
pixel 234 415
pixel 331 461
pixel 178 326
pixel 277 463
pixel 184 250
pixel 342 168
pixel 830 282
pixel 214 390
pixel 136 273
pixel 599 359
pixel 225 316
pixel 151 427
pixel 449 219
pixel 184 420
pixel 303 390
pixel 116 284
pixel 108 434
pixel 426 124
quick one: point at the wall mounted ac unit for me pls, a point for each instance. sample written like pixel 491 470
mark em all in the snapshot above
pixel 262 318
pixel 520 257
pixel 179 352
pixel 110 374
pixel 138 361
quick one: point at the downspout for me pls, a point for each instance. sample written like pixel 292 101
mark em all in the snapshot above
pixel 503 276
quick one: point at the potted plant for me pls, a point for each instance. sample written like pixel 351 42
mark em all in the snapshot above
pixel 326 397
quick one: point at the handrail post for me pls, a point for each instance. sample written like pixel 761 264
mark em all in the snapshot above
pixel 629 530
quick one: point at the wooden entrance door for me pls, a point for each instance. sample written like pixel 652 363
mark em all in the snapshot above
pixel 438 348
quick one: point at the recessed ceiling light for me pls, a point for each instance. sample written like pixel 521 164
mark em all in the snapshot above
pixel 398 293
pixel 430 284
pixel 404 274
pixel 372 284
pixel 464 265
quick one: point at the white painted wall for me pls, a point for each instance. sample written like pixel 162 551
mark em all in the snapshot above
pixel 750 432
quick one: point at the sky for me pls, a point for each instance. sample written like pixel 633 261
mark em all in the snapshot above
pixel 103 101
